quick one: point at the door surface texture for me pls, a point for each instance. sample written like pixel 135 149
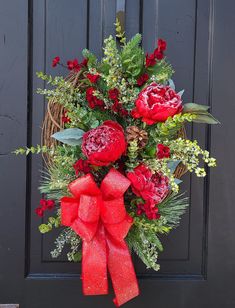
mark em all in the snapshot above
pixel 198 262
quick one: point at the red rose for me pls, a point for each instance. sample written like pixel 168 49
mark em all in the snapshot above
pixel 156 103
pixel 81 166
pixel 104 144
pixel 142 79
pixel 55 61
pixel 73 65
pixel 161 45
pixel 93 78
pixel 153 188
pixel 113 94
pixel 163 151
pixel 150 60
pixel 93 101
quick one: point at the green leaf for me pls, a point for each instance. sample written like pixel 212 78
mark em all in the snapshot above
pixel 172 164
pixel 43 228
pixel 206 118
pixel 195 108
pixel 180 93
pixel 70 136
pixel 77 257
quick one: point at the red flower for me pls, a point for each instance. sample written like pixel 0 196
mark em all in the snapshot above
pixel 55 61
pixel 50 204
pixel 93 78
pixel 150 212
pixel 142 79
pixel 84 62
pixel 113 94
pixel 39 211
pixel 150 60
pixel 156 103
pixel 65 118
pixel 81 166
pixel 153 188
pixel 93 101
pixel 73 65
pixel 158 54
pixel 104 144
pixel 163 151
pixel 44 205
pixel 161 45
pixel 117 107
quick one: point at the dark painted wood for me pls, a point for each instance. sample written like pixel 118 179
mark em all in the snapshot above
pixel 197 266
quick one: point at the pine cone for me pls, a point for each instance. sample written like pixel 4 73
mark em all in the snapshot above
pixel 134 133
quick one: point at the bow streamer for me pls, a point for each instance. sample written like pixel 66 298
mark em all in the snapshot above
pixel 99 217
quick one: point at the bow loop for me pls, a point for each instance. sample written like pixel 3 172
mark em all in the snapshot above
pixel 84 185
pixel 114 185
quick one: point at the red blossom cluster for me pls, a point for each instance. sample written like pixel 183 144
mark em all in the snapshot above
pixel 158 54
pixel 44 205
pixel 117 106
pixel 65 118
pixel 93 77
pixel 72 65
pixel 163 151
pixel 81 166
pixel 152 188
pixel 92 100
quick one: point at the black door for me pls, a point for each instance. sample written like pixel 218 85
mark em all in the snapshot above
pixel 198 263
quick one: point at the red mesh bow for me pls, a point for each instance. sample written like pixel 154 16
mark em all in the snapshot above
pixel 99 217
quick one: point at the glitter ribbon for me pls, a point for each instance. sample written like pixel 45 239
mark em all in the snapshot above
pixel 99 217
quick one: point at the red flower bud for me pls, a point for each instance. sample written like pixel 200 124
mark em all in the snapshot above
pixel 55 61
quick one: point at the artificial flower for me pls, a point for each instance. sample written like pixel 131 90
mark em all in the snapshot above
pixel 156 103
pixel 81 166
pixel 142 79
pixel 163 151
pixel 93 77
pixel 55 61
pixel 104 144
pixel 92 100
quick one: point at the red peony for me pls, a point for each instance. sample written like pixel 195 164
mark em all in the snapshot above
pixel 156 103
pixel 81 165
pixel 150 60
pixel 113 94
pixel 104 144
pixel 153 188
pixel 93 101
pixel 163 151
pixel 93 78
pixel 142 79
pixel 55 61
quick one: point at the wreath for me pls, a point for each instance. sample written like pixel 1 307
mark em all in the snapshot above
pixel 115 148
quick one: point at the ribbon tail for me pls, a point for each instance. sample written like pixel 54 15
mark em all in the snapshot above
pixel 122 271
pixel 94 264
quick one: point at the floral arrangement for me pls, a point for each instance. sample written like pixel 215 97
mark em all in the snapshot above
pixel 113 181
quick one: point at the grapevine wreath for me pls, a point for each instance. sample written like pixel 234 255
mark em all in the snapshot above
pixel 115 149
